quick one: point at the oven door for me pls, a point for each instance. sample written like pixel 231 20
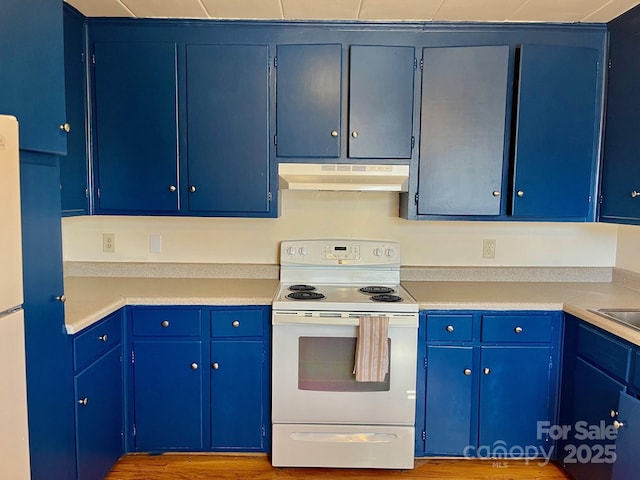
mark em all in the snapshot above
pixel 313 380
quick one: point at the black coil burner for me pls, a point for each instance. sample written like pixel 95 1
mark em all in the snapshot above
pixel 301 288
pixel 305 295
pixel 376 289
pixel 385 297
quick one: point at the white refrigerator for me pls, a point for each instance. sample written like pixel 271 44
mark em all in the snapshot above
pixel 14 434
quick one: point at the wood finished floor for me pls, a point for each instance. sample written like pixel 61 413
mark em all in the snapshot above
pixel 232 467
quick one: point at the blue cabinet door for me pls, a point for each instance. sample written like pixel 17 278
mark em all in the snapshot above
pixel 237 413
pixel 168 410
pixel 448 400
pixel 309 99
pixel 48 347
pixel 595 395
pixel 136 129
pixel 557 132
pixel 32 80
pixel 514 397
pixel 462 139
pixel 99 416
pixel 620 167
pixel 228 129
pixel 74 167
pixel 381 101
pixel 627 464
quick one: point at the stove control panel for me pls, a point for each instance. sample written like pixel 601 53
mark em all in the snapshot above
pixel 339 252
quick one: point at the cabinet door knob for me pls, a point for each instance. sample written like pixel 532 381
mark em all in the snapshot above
pixel 520 193
pixel 192 188
pixel 172 188
pixel 165 323
pixel 61 298
pixel 635 194
pixel 487 371
pixel 617 425
pixel 354 134
pixel 103 338
pixel 496 193
pixel 65 127
pixel 450 328
pixel 518 329
pixel 467 371
pixel 235 324
pixel 215 365
pixel 334 133
pixel 83 401
pixel 194 366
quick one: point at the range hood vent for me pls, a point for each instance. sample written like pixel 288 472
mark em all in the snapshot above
pixel 343 177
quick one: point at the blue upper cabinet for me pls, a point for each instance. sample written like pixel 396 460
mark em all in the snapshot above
pixel 32 80
pixel 463 126
pixel 228 165
pixel 621 169
pixel 316 121
pixel 74 175
pixel 136 127
pixel 309 96
pixel 381 101
pixel 558 123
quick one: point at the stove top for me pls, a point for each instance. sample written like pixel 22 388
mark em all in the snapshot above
pixel 333 297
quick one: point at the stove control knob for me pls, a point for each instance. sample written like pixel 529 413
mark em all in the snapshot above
pixel 303 251
pixel 378 252
pixel 390 252
pixel 291 250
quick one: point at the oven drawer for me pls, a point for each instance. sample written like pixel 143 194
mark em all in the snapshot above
pixel 236 323
pixel 166 322
pixel 448 327
pixel 517 328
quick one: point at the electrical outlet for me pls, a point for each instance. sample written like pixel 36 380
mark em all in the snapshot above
pixel 489 248
pixel 108 242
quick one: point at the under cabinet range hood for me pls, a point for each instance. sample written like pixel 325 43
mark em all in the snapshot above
pixel 343 177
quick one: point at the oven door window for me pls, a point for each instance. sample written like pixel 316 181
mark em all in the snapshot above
pixel 325 364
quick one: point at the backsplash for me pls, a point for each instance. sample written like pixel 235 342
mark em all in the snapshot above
pixel 364 215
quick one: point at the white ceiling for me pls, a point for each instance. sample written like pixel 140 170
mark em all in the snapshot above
pixel 599 11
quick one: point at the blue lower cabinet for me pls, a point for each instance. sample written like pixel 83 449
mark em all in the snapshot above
pixel 595 396
pixel 486 398
pixel 99 416
pixel 168 384
pixel 448 399
pixel 627 464
pixel 514 397
pixel 237 384
pixel 199 385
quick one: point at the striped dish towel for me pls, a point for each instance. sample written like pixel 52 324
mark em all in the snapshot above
pixel 372 349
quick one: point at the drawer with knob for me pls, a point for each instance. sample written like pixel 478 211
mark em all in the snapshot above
pixel 449 327
pixel 236 323
pixel 166 322
pixel 605 351
pixel 96 340
pixel 517 328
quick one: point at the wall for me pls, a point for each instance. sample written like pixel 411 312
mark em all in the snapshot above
pixel 371 215
pixel 628 249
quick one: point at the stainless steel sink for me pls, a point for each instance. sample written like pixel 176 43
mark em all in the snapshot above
pixel 628 317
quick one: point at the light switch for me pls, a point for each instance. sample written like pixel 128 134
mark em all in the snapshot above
pixel 155 243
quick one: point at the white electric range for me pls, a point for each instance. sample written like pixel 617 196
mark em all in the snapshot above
pixel 322 416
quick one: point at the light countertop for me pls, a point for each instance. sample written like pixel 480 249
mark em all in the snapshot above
pixel 90 299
